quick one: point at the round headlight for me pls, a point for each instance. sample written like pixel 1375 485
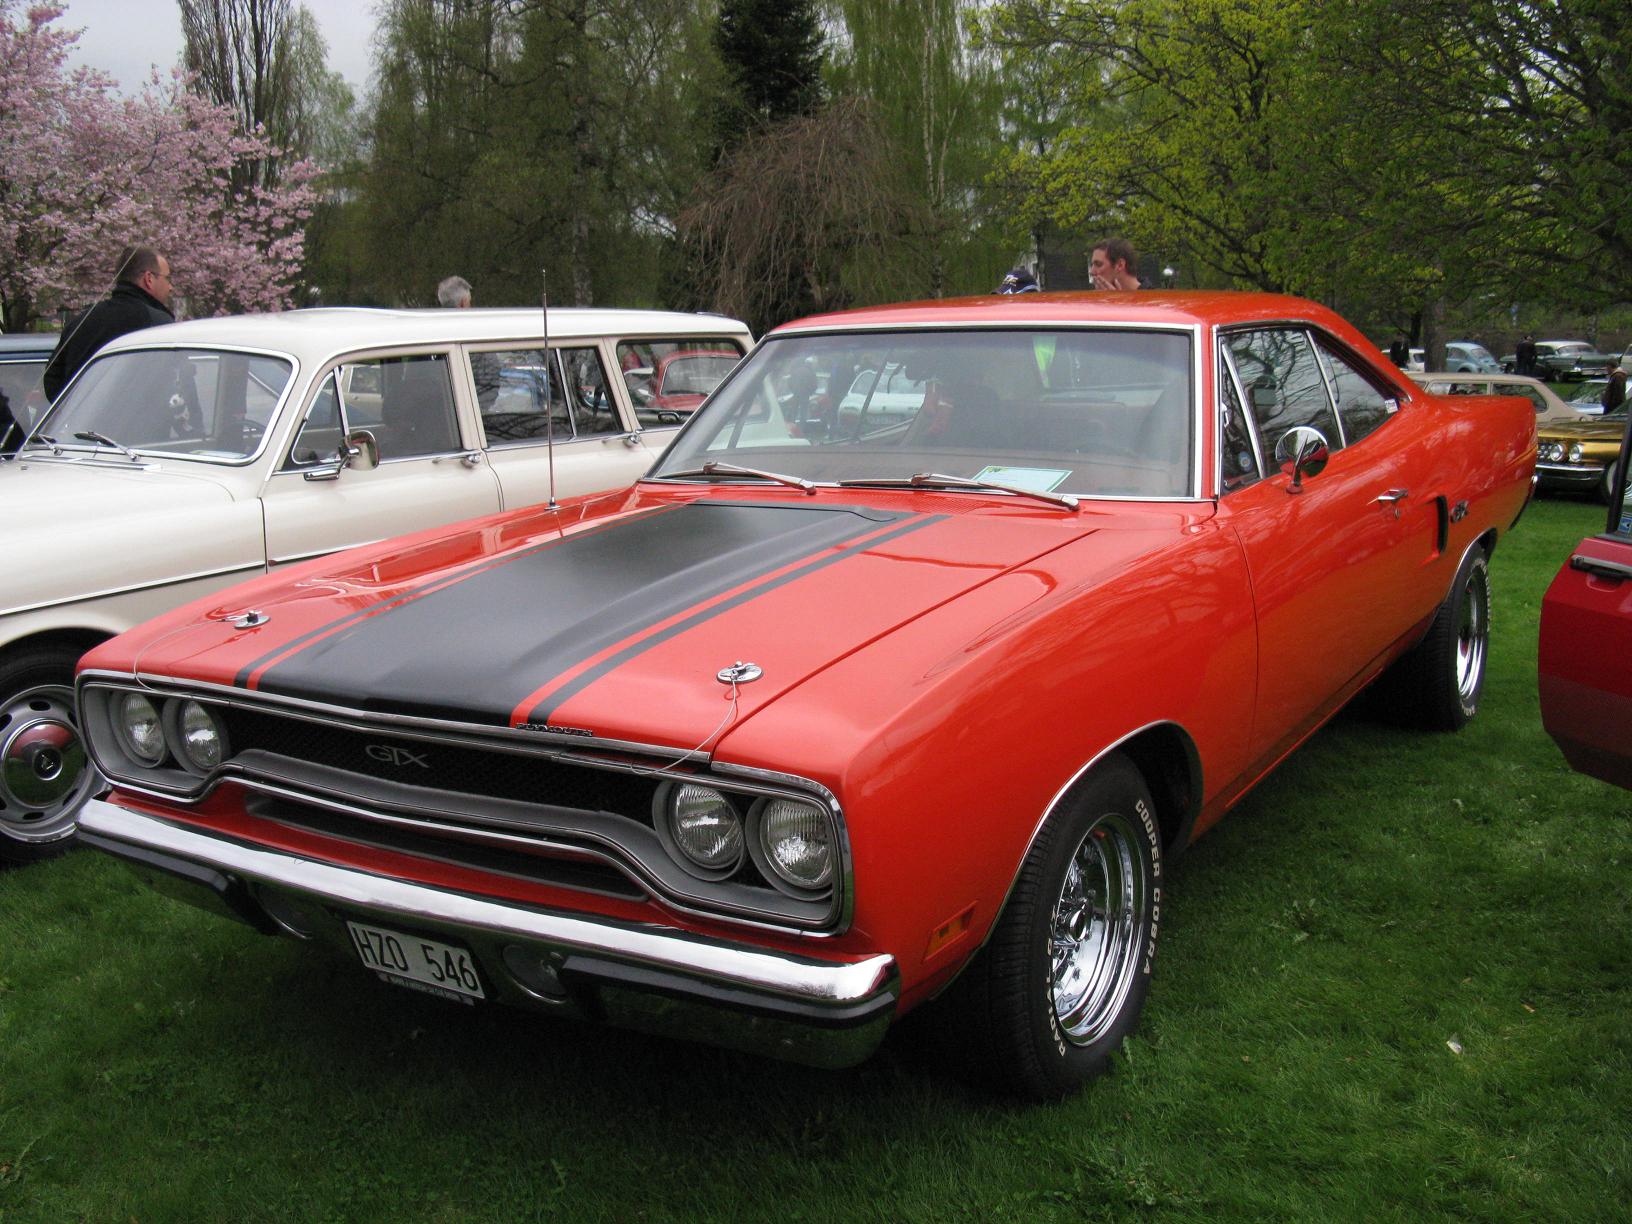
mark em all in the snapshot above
pixel 1553 452
pixel 200 743
pixel 701 829
pixel 1575 452
pixel 141 731
pixel 795 841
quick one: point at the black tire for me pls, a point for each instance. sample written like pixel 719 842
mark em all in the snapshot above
pixel 1062 981
pixel 44 772
pixel 1444 674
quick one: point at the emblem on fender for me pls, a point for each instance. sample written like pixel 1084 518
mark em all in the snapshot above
pixel 393 755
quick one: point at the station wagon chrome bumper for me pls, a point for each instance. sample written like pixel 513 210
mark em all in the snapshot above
pixel 638 976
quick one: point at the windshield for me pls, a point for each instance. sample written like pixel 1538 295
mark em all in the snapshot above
pixel 1094 412
pixel 193 403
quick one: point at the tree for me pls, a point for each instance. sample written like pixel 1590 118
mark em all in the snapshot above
pixel 936 98
pixel 772 52
pixel 83 173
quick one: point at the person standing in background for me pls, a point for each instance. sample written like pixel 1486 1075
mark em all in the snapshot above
pixel 453 293
pixel 140 298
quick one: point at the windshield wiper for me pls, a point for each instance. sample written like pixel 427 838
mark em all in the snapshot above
pixel 730 469
pixel 937 480
pixel 101 439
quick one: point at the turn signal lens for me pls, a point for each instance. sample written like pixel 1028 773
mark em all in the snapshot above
pixel 141 732
pixel 795 842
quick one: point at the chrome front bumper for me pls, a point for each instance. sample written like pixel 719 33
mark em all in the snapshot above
pixel 654 979
pixel 1569 475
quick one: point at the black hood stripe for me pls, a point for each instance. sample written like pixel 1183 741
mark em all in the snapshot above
pixel 473 649
pixel 247 673
pixel 554 699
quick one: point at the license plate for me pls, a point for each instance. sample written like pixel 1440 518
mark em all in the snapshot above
pixel 422 964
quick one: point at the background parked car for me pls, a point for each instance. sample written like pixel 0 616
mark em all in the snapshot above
pixel 1466 357
pixel 1549 407
pixel 804 731
pixel 22 362
pixel 1579 456
pixel 1584 662
pixel 1565 360
pixel 187 457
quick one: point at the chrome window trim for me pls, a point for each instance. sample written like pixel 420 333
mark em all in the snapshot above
pixel 557 748
pixel 1246 412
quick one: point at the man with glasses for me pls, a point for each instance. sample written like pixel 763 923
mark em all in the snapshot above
pixel 140 298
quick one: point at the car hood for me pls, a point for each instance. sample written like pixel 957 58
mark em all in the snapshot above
pixel 625 627
pixel 82 529
pixel 1598 428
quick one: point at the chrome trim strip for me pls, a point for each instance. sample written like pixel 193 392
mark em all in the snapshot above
pixel 777 974
pixel 255 567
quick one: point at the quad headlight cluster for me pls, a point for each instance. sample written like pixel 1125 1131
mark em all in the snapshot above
pixel 1555 452
pixel 711 832
pixel 155 731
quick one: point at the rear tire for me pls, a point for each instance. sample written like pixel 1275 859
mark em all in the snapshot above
pixel 1445 672
pixel 1063 978
pixel 44 772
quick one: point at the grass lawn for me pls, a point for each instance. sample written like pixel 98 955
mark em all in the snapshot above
pixel 1395 985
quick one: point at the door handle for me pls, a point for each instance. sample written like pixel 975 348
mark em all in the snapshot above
pixel 632 440
pixel 469 458
pixel 1612 570
pixel 1393 497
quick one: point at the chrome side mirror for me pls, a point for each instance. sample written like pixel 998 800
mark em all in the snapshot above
pixel 361 451
pixel 1305 451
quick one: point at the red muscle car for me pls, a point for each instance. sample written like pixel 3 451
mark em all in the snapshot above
pixel 827 718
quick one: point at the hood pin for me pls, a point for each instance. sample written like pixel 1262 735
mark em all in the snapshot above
pixel 739 673
pixel 248 620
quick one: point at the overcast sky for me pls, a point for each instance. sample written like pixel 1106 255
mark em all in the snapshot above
pixel 126 38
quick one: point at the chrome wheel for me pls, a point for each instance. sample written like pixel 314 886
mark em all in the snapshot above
pixel 44 772
pixel 1472 635
pixel 1095 935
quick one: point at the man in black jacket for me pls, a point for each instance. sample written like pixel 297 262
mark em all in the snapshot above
pixel 140 298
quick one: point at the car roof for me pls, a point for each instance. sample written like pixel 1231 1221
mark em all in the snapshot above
pixel 312 334
pixel 1148 307
pixel 15 344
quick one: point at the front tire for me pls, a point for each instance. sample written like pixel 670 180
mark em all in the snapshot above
pixel 1063 978
pixel 44 772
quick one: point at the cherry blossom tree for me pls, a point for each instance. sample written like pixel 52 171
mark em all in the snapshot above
pixel 83 172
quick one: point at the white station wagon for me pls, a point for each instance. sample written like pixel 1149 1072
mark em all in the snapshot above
pixel 188 457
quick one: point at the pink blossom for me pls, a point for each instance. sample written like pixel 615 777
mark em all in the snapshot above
pixel 84 172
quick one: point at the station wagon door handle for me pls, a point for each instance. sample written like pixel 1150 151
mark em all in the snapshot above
pixel 470 459
pixel 632 440
pixel 1613 570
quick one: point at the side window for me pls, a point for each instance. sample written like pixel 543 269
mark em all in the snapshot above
pixel 319 438
pixel 593 411
pixel 1361 404
pixel 415 405
pixel 1285 385
pixel 1239 462
pixel 668 379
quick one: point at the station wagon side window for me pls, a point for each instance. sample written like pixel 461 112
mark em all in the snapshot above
pixel 1284 384
pixel 1361 404
pixel 668 379
pixel 405 402
pixel 520 397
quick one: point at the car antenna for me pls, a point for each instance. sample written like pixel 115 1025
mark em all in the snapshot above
pixel 549 408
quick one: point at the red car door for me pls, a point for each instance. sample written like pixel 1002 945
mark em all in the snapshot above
pixel 1584 668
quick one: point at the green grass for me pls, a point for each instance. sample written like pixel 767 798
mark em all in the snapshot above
pixel 1384 894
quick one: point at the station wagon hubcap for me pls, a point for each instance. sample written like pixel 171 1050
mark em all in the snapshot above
pixel 43 773
pixel 1094 937
pixel 1472 636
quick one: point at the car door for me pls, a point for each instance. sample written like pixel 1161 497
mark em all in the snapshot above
pixel 1338 567
pixel 1584 663
pixel 425 472
pixel 551 423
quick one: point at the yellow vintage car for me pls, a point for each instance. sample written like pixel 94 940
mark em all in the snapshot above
pixel 1580 455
